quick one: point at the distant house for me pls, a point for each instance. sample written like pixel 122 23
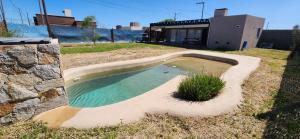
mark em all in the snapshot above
pixel 132 26
pixel 66 20
pixel 221 31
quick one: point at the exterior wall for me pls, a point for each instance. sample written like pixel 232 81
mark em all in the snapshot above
pixel 252 31
pixel 281 39
pixel 30 80
pixel 230 32
pixel 55 20
pixel 226 32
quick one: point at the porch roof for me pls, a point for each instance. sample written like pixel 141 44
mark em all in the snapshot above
pixel 184 22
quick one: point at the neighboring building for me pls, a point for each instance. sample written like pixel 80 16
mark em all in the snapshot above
pixel 276 39
pixel 66 20
pixel 132 26
pixel 222 31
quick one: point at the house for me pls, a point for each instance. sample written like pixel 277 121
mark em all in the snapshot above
pixel 235 32
pixel 66 20
pixel 132 26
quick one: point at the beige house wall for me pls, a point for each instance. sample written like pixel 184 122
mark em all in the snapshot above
pixel 230 32
pixel 252 31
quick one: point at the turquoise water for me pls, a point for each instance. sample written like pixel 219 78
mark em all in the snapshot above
pixel 105 90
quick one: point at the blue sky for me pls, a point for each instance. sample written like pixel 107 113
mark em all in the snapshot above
pixel 280 14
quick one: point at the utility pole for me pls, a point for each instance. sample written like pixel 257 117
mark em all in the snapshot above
pixel 41 12
pixel 3 15
pixel 20 13
pixel 203 6
pixel 46 19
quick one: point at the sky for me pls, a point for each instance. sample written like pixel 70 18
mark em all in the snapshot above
pixel 279 14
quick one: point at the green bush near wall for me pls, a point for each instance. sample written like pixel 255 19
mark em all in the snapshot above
pixel 200 88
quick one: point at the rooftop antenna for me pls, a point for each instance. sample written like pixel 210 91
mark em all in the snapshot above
pixel 175 16
pixel 203 5
pixel 268 26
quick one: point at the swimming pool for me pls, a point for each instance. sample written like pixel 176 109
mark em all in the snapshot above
pixel 110 88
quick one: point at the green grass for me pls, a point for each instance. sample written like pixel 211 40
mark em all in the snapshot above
pixel 103 47
pixel 200 87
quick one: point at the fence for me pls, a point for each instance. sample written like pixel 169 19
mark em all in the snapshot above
pixel 68 34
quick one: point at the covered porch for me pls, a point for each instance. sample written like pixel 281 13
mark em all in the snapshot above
pixel 188 32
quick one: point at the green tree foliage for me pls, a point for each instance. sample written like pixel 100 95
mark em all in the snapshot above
pixel 168 20
pixel 88 22
pixel 8 34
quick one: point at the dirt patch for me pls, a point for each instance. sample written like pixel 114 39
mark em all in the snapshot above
pixel 77 60
pixel 6 108
pixel 50 94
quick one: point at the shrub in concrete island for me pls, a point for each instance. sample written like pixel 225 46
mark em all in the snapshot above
pixel 200 88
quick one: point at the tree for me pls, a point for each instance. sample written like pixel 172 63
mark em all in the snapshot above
pixel 88 22
pixel 168 20
pixel 8 34
pixel 296 38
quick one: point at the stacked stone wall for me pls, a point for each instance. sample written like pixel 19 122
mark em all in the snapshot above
pixel 30 79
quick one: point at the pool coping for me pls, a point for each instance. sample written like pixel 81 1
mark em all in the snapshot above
pixel 160 99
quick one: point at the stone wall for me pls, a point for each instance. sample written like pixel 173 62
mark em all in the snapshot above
pixel 30 79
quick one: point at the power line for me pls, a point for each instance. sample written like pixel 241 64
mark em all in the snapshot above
pixel 19 10
pixel 175 16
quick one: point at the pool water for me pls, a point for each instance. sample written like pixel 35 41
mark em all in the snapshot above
pixel 105 90
pixel 115 86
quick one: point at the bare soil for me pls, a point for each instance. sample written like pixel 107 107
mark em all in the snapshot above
pixel 83 59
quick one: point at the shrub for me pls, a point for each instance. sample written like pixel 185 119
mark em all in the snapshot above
pixel 200 88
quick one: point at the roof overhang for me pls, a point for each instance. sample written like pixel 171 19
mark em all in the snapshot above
pixel 182 23
pixel 186 26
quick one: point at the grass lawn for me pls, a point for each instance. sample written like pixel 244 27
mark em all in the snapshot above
pixel 102 47
pixel 271 109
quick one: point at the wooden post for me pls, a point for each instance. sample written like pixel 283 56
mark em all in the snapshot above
pixel 46 19
pixel 149 37
pixel 112 35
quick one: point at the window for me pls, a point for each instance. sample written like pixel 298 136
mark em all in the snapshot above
pixel 217 42
pixel 227 43
pixel 237 26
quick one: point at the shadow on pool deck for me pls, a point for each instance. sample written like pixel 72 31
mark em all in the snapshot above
pixel 283 121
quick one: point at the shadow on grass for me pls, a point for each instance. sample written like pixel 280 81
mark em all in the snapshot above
pixel 283 121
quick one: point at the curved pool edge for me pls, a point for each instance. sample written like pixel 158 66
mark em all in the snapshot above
pixel 134 109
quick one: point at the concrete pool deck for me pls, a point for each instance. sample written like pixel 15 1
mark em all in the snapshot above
pixel 158 100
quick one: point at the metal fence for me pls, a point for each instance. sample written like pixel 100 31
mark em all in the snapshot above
pixel 68 34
